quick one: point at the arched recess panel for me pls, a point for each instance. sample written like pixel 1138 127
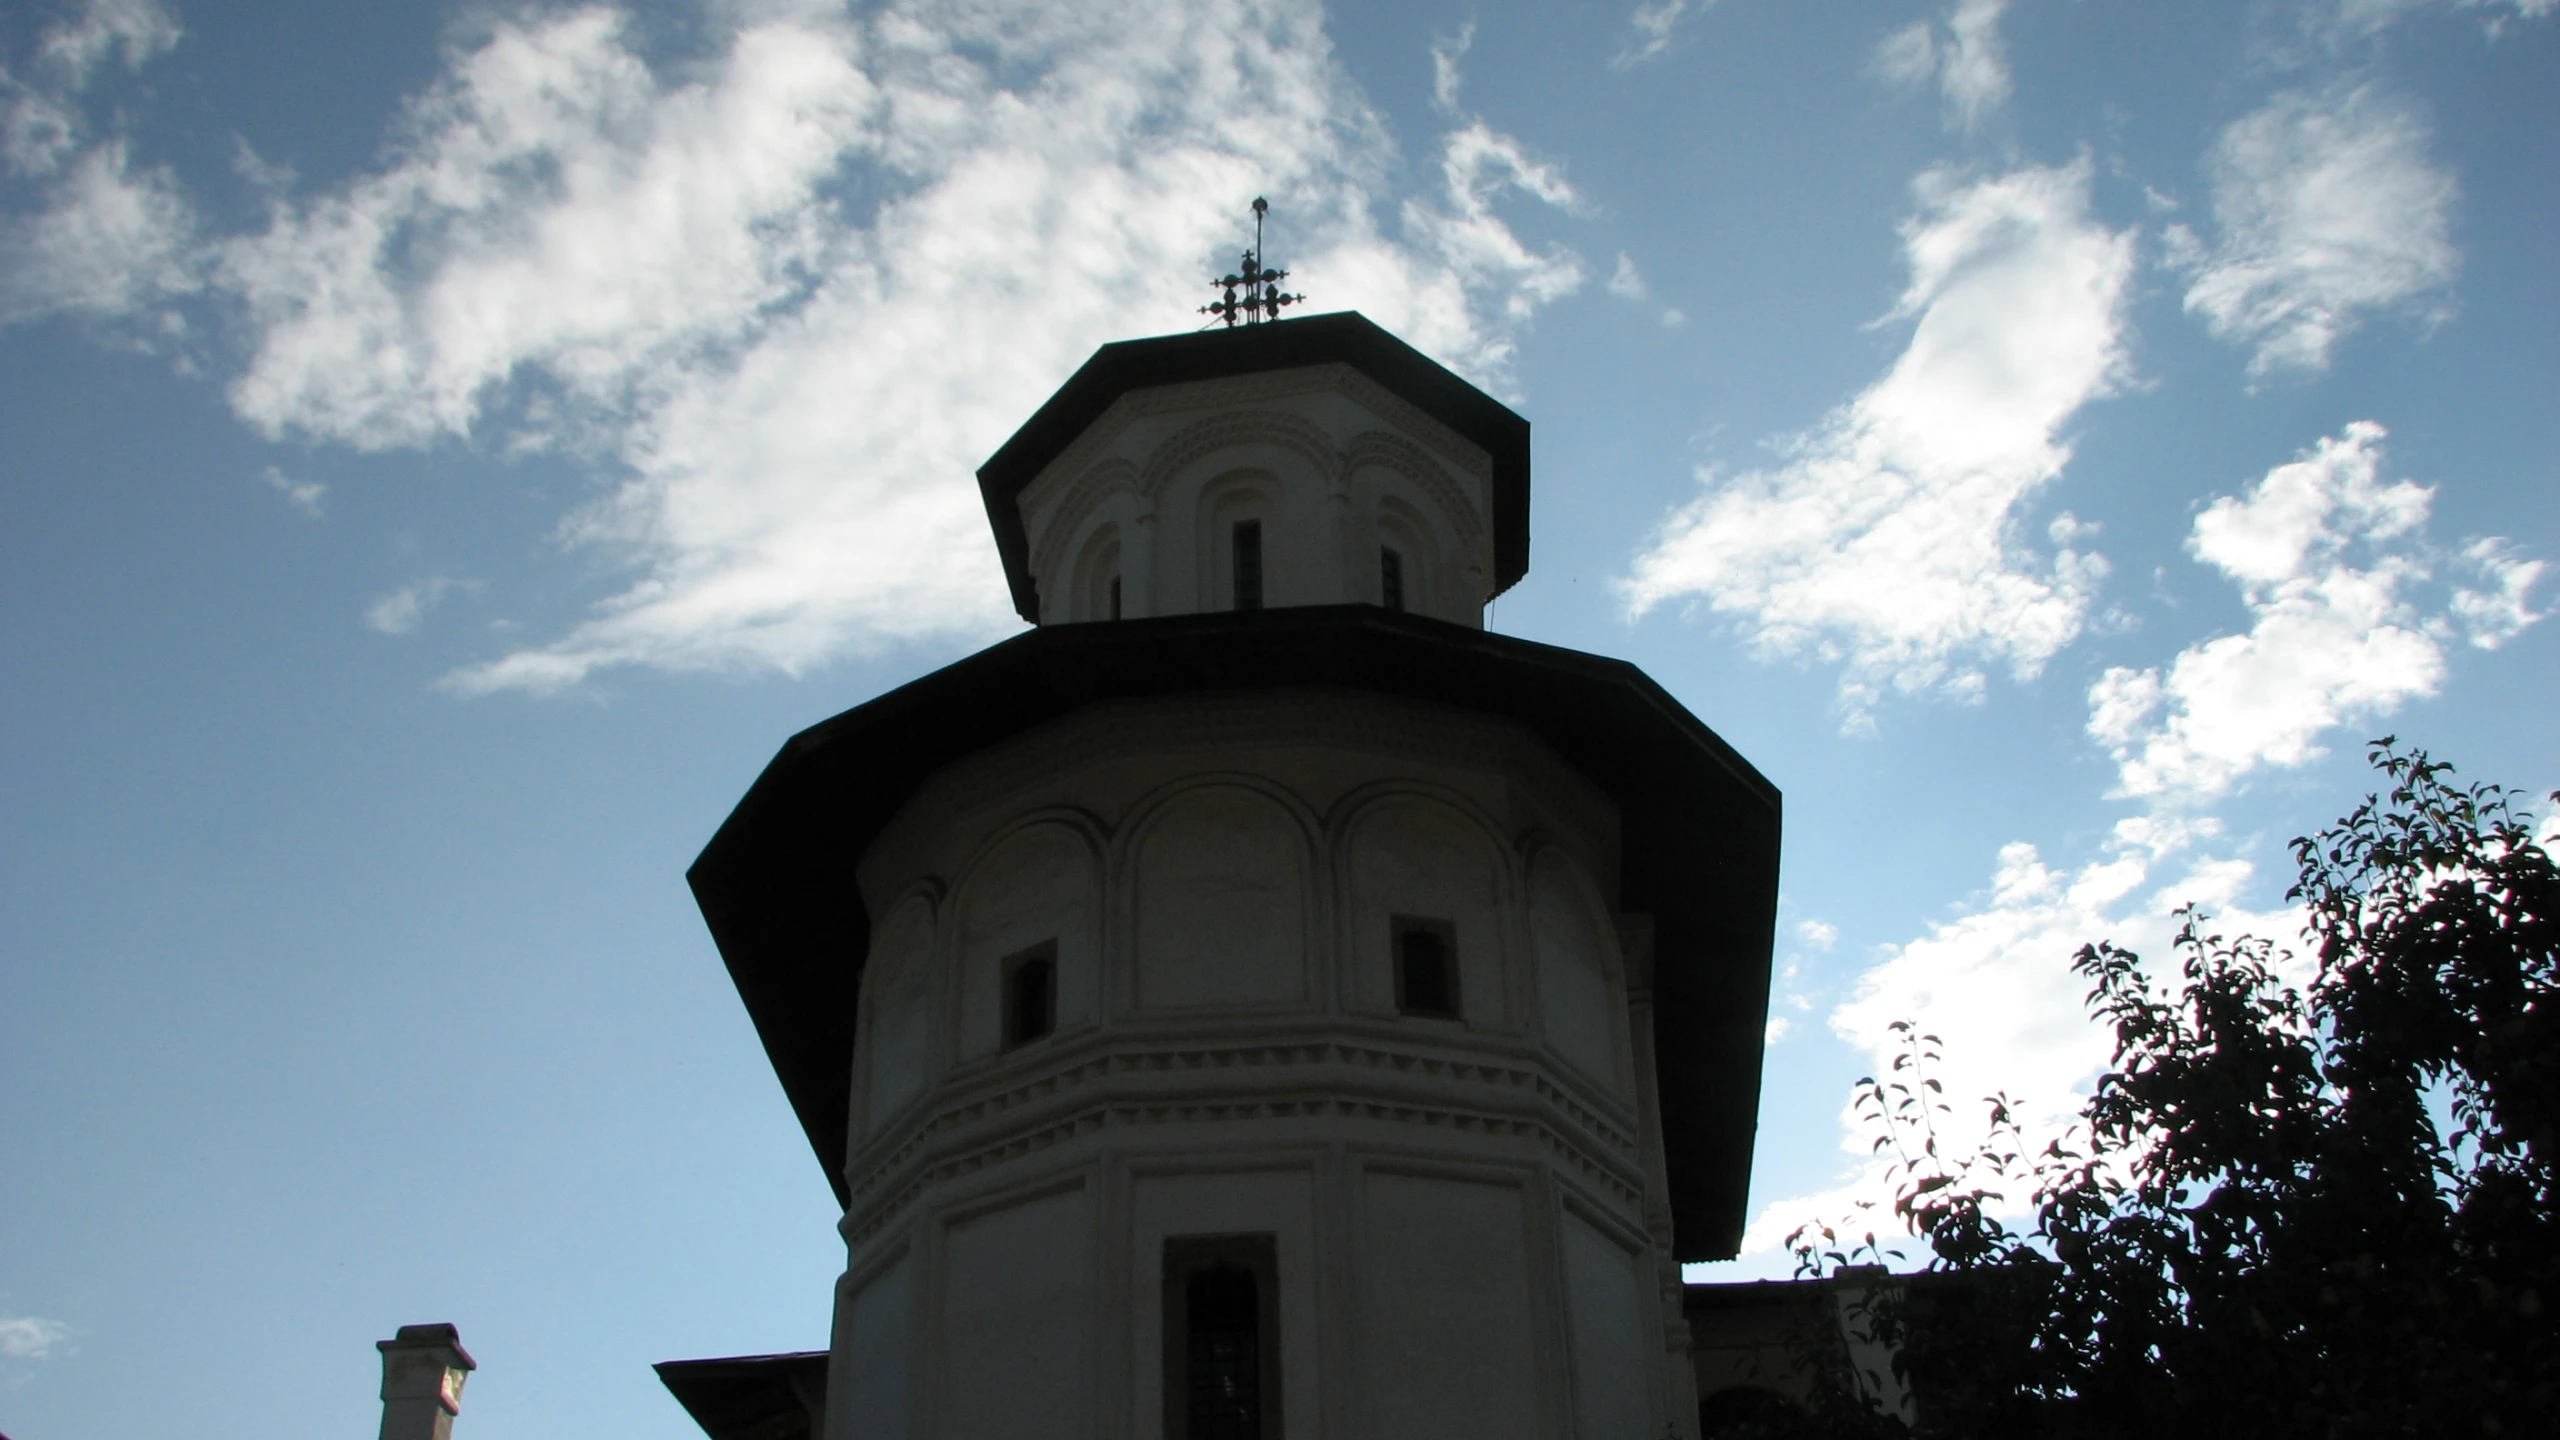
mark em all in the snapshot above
pixel 898 992
pixel 1424 859
pixel 1097 572
pixel 1578 1002
pixel 1228 501
pixel 1038 884
pixel 1221 902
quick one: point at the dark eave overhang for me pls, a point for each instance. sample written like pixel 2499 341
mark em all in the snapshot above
pixel 1699 838
pixel 751 1397
pixel 1347 338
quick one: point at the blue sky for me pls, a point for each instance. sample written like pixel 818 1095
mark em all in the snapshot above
pixel 445 449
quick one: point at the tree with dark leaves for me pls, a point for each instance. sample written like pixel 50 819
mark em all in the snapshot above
pixel 2324 1213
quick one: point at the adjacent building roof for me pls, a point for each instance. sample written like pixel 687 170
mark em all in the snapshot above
pixel 1699 838
pixel 1347 338
pixel 751 1397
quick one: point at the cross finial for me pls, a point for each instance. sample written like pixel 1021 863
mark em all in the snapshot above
pixel 1261 297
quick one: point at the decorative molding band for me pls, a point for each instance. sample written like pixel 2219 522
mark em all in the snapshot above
pixel 1238 427
pixel 1594 1142
pixel 1390 451
pixel 1137 1112
pixel 1089 491
pixel 1245 390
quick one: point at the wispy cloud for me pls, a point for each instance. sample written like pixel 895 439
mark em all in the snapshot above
pixel 1627 283
pixel 734 290
pixel 1892 539
pixel 1960 52
pixel 2329 559
pixel 2366 17
pixel 1460 229
pixel 2326 209
pixel 401 611
pixel 106 237
pixel 1448 70
pixel 29 1337
pixel 1994 984
pixel 302 495
pixel 1650 28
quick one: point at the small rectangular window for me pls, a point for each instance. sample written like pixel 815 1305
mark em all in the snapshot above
pixel 1221 1338
pixel 1030 994
pixel 1391 578
pixel 1426 961
pixel 1248 564
pixel 1115 597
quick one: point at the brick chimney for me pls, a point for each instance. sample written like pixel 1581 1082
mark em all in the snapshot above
pixel 423 1368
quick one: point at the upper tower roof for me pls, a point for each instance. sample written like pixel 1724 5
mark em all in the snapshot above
pixel 1347 339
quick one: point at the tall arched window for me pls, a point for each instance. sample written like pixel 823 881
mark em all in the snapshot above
pixel 1031 994
pixel 1426 954
pixel 1246 563
pixel 1222 1357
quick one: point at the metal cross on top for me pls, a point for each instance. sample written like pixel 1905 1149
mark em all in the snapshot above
pixel 1262 297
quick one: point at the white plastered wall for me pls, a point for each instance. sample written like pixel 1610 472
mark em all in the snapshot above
pixel 1218 875
pixel 1331 464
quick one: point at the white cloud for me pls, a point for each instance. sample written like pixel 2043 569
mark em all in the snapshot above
pixel 1625 282
pixel 28 1337
pixel 1447 75
pixel 1650 27
pixel 132 30
pixel 1491 267
pixel 1820 934
pixel 112 241
pixel 2329 559
pixel 787 300
pixel 1890 538
pixel 400 612
pixel 302 495
pixel 1994 984
pixel 2493 616
pixel 2366 17
pixel 108 238
pixel 1961 52
pixel 2326 209
pixel 1779 1025
pixel 2326 554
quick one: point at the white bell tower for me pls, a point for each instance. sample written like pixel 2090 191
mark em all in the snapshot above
pixel 1257 1001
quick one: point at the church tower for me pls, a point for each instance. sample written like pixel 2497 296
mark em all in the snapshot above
pixel 1257 1001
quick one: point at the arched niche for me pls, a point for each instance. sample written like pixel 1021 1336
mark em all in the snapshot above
pixel 897 1011
pixel 1094 591
pixel 1405 531
pixel 1219 894
pixel 1233 499
pixel 1581 1002
pixel 1417 507
pixel 1040 885
pixel 1413 858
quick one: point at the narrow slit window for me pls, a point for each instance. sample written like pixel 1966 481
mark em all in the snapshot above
pixel 1391 577
pixel 1030 994
pixel 1248 564
pixel 1115 597
pixel 1221 1372
pixel 1426 959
